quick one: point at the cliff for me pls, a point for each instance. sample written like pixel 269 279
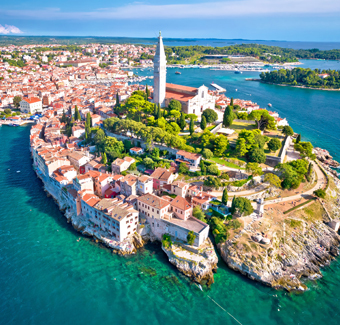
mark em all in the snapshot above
pixel 284 263
pixel 197 264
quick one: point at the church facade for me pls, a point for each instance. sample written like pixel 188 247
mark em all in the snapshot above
pixel 193 100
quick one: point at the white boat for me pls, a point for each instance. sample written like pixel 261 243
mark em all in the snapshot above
pixel 18 171
pixel 270 105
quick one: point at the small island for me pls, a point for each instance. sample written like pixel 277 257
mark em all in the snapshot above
pixel 303 78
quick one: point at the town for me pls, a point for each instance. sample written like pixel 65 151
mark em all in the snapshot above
pixel 130 162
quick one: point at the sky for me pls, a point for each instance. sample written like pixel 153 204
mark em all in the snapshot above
pixel 293 20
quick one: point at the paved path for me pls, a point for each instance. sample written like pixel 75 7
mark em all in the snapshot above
pixel 321 183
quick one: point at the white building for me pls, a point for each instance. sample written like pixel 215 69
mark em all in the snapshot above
pixel 159 73
pixel 31 105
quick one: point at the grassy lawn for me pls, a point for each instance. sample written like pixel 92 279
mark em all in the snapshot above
pixel 225 163
pixel 272 135
pixel 211 127
pixel 239 126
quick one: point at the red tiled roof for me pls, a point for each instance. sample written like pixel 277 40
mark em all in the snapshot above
pixel 32 100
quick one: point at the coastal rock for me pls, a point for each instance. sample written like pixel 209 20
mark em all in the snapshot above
pixel 283 265
pixel 197 264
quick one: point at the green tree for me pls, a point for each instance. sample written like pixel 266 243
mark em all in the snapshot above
pixel 191 237
pixel 183 168
pixel 232 101
pixel 88 120
pixel 274 144
pixel 242 206
pixel 225 197
pixel 182 124
pixel 99 137
pixel 148 163
pixel 228 116
pixel 207 154
pixel 257 155
pixel 221 144
pixel 287 130
pixel 298 139
pixel 16 101
pixel 305 149
pixel 104 158
pixel 213 170
pixel 159 112
pixel 147 92
pixel 175 105
pixel 77 116
pixel 212 181
pixel 254 169
pixel 191 126
pixel 273 180
pixel 320 193
pixel 203 123
pixel 241 148
pixel 63 117
pixel 117 100
pixel 198 213
pixel 210 115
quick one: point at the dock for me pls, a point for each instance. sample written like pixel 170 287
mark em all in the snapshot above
pixel 218 88
pixel 16 123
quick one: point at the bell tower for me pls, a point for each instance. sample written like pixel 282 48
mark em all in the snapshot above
pixel 159 73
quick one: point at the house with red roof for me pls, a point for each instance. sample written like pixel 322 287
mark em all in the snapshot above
pixel 31 105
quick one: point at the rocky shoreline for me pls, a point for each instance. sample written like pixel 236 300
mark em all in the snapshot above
pixel 284 268
pixel 198 265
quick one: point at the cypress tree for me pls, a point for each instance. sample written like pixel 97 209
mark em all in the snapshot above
pixel 88 120
pixel 232 209
pixel 159 113
pixel 191 126
pixel 232 101
pixel 182 122
pixel 203 123
pixel 117 100
pixel 77 116
pixel 63 118
pixel 155 111
pixel 298 139
pixel 228 116
pixel 147 92
pixel 104 158
pixel 225 197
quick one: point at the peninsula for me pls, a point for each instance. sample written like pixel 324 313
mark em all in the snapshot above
pixel 129 164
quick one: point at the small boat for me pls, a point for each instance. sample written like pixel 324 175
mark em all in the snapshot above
pixel 177 72
pixel 270 105
pixel 238 72
pixel 18 171
pixel 235 89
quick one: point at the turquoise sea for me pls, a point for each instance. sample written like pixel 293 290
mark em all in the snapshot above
pixel 48 277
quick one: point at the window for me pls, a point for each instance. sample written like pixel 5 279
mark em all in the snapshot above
pixel 202 94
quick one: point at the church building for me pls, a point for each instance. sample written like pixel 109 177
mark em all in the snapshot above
pixel 193 100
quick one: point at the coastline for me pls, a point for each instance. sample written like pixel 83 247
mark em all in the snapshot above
pixel 284 85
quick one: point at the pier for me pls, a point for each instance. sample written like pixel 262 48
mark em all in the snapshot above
pixel 16 123
pixel 218 88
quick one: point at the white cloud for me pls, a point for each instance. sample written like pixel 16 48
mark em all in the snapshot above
pixel 139 10
pixel 9 29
